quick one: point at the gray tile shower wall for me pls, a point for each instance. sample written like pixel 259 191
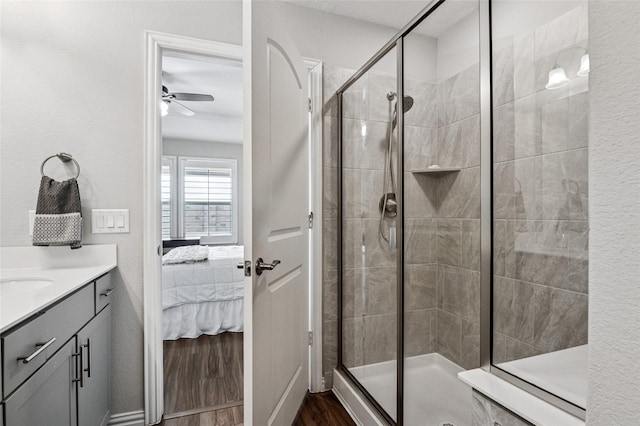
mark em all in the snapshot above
pixel 458 219
pixel 442 223
pixel 540 191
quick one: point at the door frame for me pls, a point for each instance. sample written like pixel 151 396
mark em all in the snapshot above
pixel 316 164
pixel 156 43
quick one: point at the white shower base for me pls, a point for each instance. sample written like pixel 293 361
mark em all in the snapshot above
pixel 432 393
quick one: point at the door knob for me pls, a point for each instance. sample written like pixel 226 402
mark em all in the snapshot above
pixel 261 266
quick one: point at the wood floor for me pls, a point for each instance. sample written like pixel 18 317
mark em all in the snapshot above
pixel 322 409
pixel 224 417
pixel 203 386
pixel 318 409
pixel 203 373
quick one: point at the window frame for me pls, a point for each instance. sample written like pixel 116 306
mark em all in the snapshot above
pixel 172 162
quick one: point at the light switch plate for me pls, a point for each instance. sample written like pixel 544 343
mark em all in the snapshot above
pixel 109 221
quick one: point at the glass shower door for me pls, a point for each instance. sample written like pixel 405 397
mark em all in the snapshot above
pixel 441 76
pixel 368 219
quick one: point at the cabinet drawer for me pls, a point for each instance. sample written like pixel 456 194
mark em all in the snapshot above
pixel 104 288
pixel 59 322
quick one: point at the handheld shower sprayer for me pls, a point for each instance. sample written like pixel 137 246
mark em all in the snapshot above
pixel 388 204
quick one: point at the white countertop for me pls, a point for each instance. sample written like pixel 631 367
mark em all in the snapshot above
pixel 67 270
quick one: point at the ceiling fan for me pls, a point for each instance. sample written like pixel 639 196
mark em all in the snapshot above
pixel 170 99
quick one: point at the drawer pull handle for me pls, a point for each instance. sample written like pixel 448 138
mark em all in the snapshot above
pixel 108 292
pixel 41 348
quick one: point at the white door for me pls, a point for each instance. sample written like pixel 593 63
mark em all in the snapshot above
pixel 276 368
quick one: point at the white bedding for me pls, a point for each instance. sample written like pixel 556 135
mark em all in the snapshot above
pixel 195 319
pixel 216 279
pixel 204 297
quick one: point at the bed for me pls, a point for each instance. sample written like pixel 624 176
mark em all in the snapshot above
pixel 203 297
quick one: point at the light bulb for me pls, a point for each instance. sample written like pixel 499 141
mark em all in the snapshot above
pixel 584 65
pixel 557 78
pixel 363 130
pixel 164 108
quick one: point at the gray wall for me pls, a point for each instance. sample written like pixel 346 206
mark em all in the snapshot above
pixel 190 148
pixel 73 81
pixel 614 193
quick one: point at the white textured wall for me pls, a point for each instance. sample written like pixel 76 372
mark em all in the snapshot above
pixel 189 148
pixel 614 203
pixel 73 80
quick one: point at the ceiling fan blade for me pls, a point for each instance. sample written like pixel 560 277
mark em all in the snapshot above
pixel 192 97
pixel 178 107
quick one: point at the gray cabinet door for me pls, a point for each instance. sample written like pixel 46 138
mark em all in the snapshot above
pixel 49 396
pixel 94 392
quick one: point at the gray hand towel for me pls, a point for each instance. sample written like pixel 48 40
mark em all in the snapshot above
pixel 58 219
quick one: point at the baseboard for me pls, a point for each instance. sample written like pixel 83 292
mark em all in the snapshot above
pixel 132 418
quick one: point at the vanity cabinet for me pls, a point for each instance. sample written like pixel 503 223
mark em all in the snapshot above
pixel 56 365
pixel 94 390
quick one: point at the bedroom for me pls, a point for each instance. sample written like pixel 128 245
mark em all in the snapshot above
pixel 202 232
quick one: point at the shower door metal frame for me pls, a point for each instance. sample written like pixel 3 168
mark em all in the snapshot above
pixel 486 217
pixel 395 42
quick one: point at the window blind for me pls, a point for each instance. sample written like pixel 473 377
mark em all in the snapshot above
pixel 208 202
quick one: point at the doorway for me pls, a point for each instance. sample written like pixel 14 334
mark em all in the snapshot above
pixel 157 45
pixel 202 237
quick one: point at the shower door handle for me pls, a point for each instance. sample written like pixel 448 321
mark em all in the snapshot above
pixel 261 266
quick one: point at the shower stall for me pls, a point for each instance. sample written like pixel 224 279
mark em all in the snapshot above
pixel 461 170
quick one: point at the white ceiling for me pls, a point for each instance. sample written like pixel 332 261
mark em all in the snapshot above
pixel 396 13
pixel 217 121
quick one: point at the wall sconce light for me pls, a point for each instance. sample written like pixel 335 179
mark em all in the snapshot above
pixel 584 65
pixel 557 78
pixel 164 108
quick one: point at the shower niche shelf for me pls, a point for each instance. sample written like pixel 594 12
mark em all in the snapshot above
pixel 436 171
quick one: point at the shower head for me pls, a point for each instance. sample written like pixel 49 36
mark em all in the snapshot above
pixel 407 102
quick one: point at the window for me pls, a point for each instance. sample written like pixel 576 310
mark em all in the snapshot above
pixel 206 207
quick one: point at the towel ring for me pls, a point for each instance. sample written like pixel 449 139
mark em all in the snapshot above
pixel 65 158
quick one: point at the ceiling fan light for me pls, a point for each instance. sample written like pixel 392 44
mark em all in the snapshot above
pixel 164 108
pixel 584 65
pixel 557 78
